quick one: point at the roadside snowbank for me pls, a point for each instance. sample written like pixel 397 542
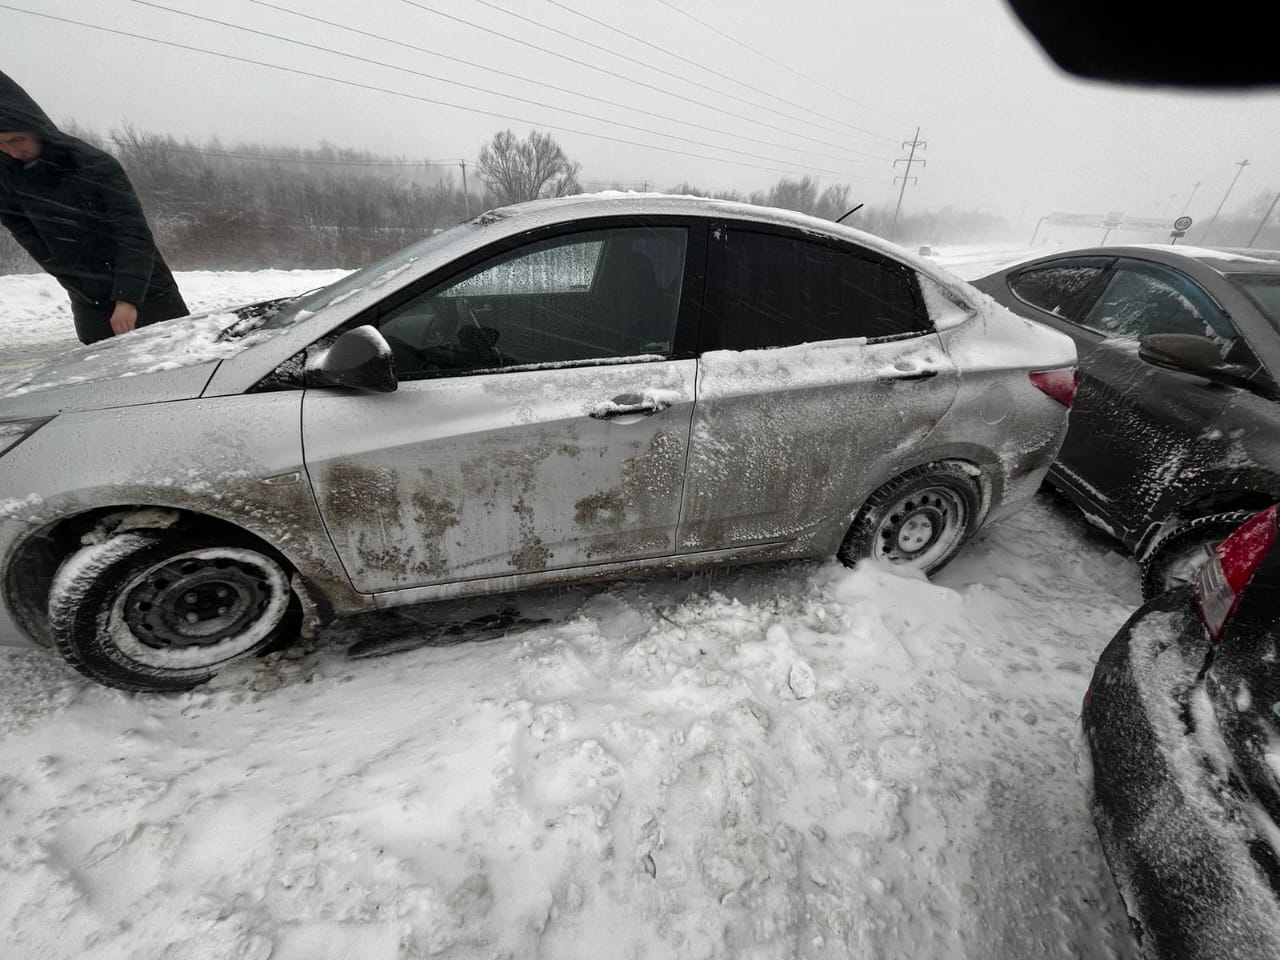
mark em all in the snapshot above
pixel 35 315
pixel 784 761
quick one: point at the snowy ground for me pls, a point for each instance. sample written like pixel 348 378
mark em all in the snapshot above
pixel 792 760
pixel 35 315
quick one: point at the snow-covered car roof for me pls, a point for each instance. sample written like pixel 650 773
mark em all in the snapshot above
pixel 1220 259
pixel 624 203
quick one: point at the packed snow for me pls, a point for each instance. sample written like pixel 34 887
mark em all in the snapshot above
pixel 35 314
pixel 789 760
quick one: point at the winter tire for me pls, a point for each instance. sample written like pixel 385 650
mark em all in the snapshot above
pixel 1174 559
pixel 919 519
pixel 151 611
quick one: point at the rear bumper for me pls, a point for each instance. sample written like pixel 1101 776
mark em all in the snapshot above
pixel 1017 492
pixel 1176 838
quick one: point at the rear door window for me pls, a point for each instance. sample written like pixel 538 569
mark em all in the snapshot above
pixel 1143 298
pixel 1065 288
pixel 1264 291
pixel 774 290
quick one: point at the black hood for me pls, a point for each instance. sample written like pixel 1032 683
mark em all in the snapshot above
pixel 19 113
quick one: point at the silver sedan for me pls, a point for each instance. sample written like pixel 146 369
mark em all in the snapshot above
pixel 563 390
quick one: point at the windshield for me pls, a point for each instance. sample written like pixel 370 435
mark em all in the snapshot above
pixel 1264 290
pixel 374 275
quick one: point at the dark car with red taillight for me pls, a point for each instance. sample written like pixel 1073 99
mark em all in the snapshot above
pixel 1182 722
pixel 1175 432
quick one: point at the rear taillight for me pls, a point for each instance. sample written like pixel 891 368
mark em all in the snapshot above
pixel 1219 583
pixel 1059 384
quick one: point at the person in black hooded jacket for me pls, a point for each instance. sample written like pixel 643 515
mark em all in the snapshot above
pixel 71 206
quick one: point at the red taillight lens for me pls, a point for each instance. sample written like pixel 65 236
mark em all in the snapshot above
pixel 1059 384
pixel 1229 569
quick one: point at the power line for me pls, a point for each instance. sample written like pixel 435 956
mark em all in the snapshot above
pixel 908 160
pixel 458 83
pixel 1263 222
pixel 1209 229
pixel 638 62
pixel 408 96
pixel 633 80
pixel 540 83
pixel 711 70
pixel 774 61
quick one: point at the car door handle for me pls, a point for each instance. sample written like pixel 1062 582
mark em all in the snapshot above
pixel 918 375
pixel 627 405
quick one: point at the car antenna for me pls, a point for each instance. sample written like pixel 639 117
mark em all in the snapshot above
pixel 851 212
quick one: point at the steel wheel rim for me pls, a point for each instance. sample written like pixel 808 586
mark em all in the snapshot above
pixel 922 528
pixel 199 608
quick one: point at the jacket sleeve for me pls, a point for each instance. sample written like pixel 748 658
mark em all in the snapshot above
pixel 135 250
pixel 17 223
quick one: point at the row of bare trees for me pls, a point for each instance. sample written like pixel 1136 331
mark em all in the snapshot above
pixel 805 195
pixel 250 206
pixel 213 206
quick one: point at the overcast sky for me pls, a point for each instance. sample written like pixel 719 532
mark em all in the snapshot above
pixel 839 86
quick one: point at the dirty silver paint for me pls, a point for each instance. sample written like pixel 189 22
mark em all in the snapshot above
pixel 193 455
pixel 496 481
pixel 458 478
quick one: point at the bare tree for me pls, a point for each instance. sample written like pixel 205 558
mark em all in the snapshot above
pixel 516 170
pixel 802 195
pixel 687 189
pixel 799 195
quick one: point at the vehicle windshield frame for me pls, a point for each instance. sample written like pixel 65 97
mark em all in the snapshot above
pixel 375 274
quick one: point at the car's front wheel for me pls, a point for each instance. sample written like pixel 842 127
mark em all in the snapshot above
pixel 919 519
pixel 1175 557
pixel 151 610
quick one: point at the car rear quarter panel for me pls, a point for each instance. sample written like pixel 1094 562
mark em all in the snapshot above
pixel 1000 419
pixel 211 457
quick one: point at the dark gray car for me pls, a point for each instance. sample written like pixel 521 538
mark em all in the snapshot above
pixel 1175 432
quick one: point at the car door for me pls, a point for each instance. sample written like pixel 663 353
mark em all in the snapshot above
pixel 1137 428
pixel 819 369
pixel 541 419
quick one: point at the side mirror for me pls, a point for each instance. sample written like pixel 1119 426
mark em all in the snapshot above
pixel 1191 354
pixel 360 359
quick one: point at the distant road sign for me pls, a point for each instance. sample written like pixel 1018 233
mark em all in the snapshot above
pixel 1182 223
pixel 1076 219
pixel 1113 219
pixel 1145 223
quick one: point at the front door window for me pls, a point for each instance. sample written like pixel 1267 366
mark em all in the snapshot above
pixel 591 296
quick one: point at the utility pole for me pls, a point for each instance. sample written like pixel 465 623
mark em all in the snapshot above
pixel 1263 222
pixel 1194 187
pixel 908 160
pixel 466 197
pixel 1172 197
pixel 1034 232
pixel 1209 229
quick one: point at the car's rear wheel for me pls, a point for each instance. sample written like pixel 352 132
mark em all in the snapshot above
pixel 918 520
pixel 1174 559
pixel 151 610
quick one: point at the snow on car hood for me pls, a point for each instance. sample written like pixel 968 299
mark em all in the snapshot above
pixel 167 361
